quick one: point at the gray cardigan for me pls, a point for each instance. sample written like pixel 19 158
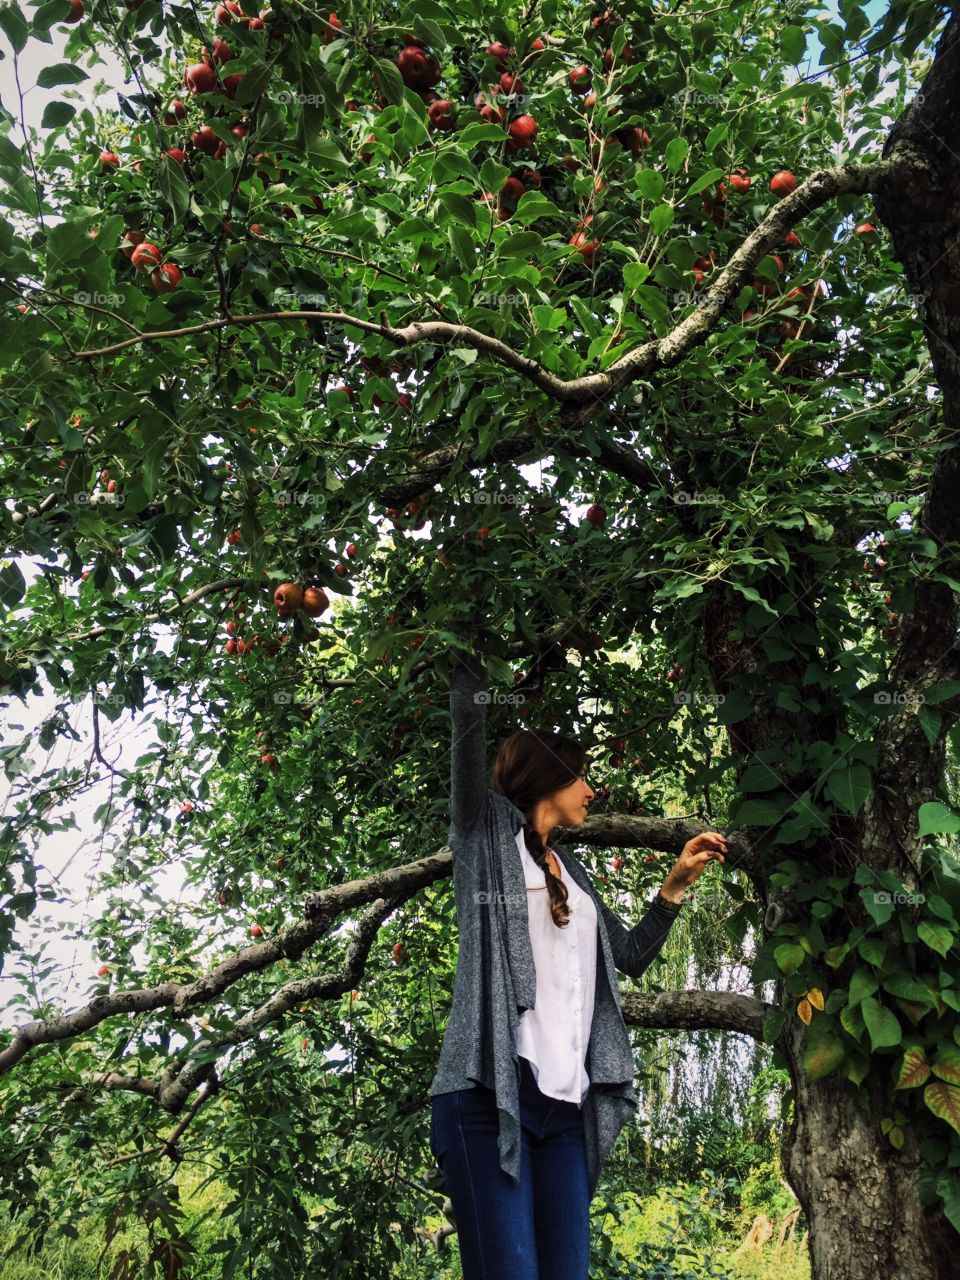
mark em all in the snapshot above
pixel 495 978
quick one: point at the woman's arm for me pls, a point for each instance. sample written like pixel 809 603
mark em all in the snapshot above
pixel 634 950
pixel 468 750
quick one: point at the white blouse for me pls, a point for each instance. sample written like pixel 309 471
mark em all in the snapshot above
pixel 554 1035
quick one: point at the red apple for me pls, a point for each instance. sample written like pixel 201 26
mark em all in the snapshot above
pixel 224 13
pixel 335 25
pixel 580 78
pixel 145 256
pixel 783 182
pixel 200 78
pixel 221 52
pixel 509 83
pixel 499 51
pixel 288 596
pixel 315 601
pixel 512 189
pixel 739 181
pixel 586 248
pixel 177 153
pixel 440 117
pixel 166 277
pixel 597 516
pixel 232 83
pixel 522 131
pixel 75 12
pixel 109 160
pixel 130 241
pixel 419 69
pixel 204 139
pixel 256 931
pixel 625 56
pixel 174 112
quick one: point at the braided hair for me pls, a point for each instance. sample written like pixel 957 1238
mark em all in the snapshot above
pixel 530 766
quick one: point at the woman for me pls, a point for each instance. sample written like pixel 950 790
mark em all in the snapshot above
pixel 535 1078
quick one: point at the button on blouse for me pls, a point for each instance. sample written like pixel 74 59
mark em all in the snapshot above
pixel 555 1034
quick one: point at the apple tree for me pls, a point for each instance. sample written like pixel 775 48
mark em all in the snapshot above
pixel 312 347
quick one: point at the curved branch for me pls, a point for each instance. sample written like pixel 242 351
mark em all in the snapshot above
pixel 888 175
pixel 386 890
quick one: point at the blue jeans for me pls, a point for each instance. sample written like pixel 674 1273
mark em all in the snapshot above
pixel 537 1229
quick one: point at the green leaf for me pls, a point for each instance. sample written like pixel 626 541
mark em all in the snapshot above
pixel 661 218
pixel 61 73
pixel 940 907
pixel 747 73
pixel 759 777
pixel 521 244
pixel 872 950
pixel 14 26
pixel 173 186
pixel 459 206
pixel 705 180
pixel 634 274
pixel 754 596
pixel 12 585
pixel 849 787
pixel 57 114
pixel 649 184
pixel 548 319
pixel 937 819
pixel 493 174
pixel 325 152
pixel 789 957
pixel 763 811
pixel 882 1024
pixel 773 1025
pixel 936 936
pixel 388 80
pixel 821 1057
pixel 862 984
pixel 909 988
pixel 793 44
pixel 715 137
pixel 948 1188
pixel 676 152
pixel 735 707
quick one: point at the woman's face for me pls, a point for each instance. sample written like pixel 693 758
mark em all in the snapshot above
pixel 570 802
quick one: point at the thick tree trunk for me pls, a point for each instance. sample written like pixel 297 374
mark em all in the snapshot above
pixel 859 1194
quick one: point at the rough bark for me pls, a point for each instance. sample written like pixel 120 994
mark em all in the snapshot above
pixel 859 1194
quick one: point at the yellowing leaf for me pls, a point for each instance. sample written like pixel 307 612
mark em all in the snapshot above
pixel 944 1101
pixel 914 1069
pixel 804 1011
pixel 815 996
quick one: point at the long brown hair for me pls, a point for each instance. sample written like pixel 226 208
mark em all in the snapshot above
pixel 532 764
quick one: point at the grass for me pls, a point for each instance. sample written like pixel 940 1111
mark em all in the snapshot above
pixel 682 1233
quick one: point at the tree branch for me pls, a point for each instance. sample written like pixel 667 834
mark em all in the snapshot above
pixel 888 175
pixel 696 1011
pixel 385 891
